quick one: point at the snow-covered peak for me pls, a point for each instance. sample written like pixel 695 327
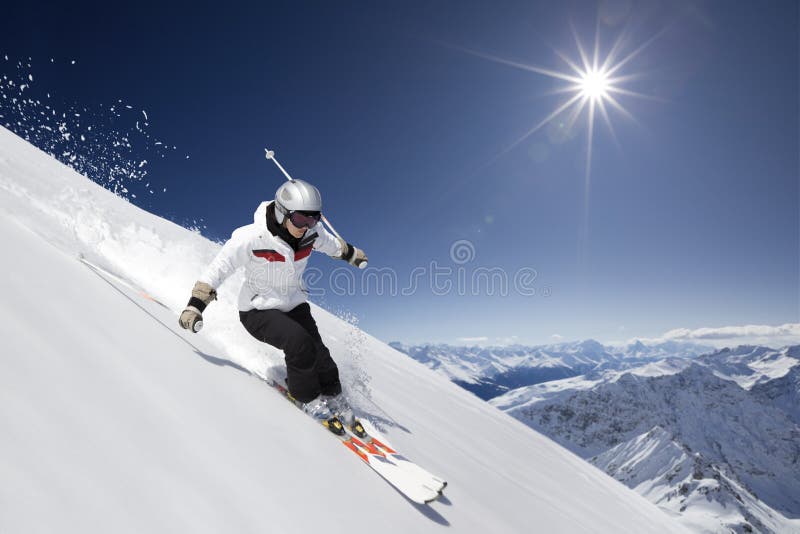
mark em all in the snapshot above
pixel 782 392
pixel 670 474
pixel 748 438
pixel 586 347
pixel 750 365
pixel 665 349
pixel 636 348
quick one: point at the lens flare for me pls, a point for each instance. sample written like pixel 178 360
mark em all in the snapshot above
pixel 593 86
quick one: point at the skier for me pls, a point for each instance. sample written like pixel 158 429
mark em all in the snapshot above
pixel 274 251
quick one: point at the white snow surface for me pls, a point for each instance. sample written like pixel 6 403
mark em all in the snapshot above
pixel 112 419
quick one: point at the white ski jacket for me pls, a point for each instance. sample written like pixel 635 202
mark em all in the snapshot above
pixel 273 271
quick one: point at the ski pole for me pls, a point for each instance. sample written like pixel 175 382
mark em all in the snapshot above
pixel 270 155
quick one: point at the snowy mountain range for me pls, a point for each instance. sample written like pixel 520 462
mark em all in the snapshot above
pixel 114 419
pixel 492 371
pixel 714 437
pixel 710 435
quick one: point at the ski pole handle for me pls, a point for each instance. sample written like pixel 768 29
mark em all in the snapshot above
pixel 270 154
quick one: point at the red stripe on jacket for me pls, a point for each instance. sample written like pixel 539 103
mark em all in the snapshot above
pixel 302 253
pixel 269 255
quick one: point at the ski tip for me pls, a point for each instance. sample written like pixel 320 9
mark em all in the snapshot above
pixel 437 489
pixel 433 499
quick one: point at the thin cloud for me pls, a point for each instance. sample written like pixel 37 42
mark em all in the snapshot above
pixel 479 339
pixel 785 334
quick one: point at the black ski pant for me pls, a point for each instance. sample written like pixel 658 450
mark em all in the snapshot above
pixel 309 365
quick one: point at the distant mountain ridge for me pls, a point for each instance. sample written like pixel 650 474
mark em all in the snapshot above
pixel 492 371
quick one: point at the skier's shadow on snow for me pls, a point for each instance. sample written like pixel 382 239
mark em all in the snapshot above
pixel 432 514
pixel 428 511
pixel 207 357
pixel 381 423
pixel 221 362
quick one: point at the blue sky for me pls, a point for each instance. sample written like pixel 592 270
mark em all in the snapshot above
pixel 692 212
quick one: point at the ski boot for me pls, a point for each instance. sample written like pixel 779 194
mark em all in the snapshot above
pixel 319 410
pixel 339 405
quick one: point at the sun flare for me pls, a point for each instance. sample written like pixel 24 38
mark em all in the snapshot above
pixel 595 85
pixel 593 88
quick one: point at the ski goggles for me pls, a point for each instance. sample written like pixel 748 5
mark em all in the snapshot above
pixel 304 219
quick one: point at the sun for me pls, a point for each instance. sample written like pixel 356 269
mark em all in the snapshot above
pixel 595 85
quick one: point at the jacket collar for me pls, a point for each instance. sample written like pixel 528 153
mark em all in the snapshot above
pixel 279 230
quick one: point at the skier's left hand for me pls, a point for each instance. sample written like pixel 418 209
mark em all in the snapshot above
pixel 353 255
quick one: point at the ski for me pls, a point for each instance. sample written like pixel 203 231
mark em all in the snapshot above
pixel 423 477
pixel 382 459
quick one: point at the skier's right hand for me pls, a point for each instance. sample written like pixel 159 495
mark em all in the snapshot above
pixel 192 316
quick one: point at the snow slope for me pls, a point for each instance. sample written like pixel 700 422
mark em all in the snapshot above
pixel 782 392
pixel 114 420
pixel 670 474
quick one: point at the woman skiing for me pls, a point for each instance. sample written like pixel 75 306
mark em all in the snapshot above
pixel 274 251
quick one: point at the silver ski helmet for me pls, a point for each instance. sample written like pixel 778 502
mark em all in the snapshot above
pixel 296 195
